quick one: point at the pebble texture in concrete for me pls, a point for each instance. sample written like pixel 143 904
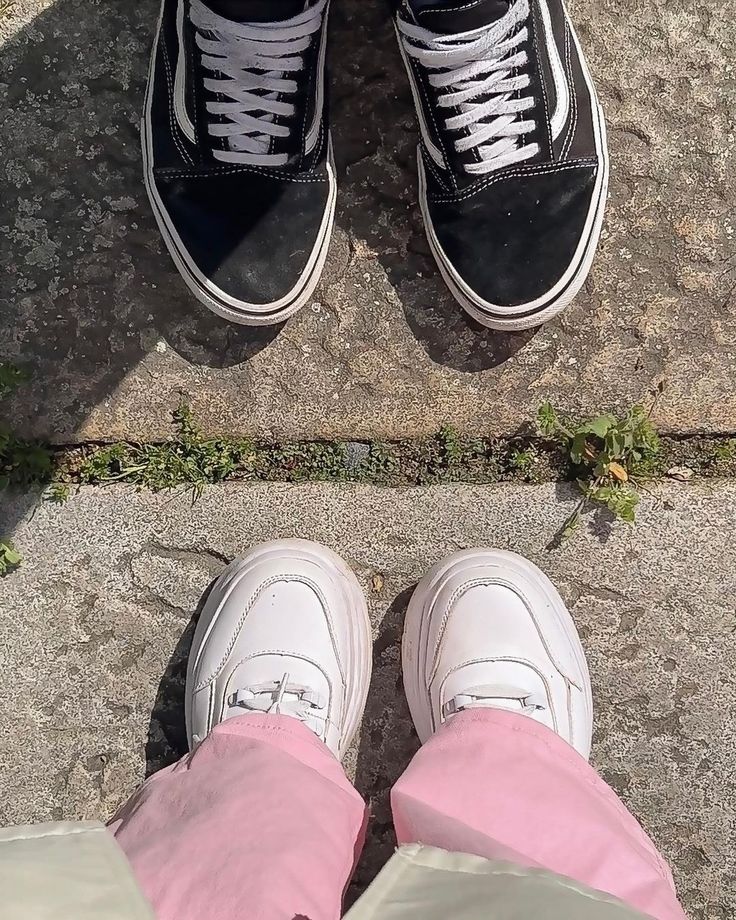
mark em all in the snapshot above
pixel 94 629
pixel 90 299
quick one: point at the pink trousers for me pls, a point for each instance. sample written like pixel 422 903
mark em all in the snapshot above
pixel 263 815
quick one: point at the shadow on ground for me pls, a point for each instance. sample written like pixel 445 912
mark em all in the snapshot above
pixel 167 732
pixel 387 744
pixel 88 288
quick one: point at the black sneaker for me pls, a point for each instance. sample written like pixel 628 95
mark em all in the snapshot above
pixel 237 154
pixel 513 168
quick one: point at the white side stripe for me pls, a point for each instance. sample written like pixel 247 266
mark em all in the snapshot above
pixel 562 91
pixel 432 149
pixel 313 133
pixel 180 83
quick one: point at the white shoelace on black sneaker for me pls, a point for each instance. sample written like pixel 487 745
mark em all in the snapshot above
pixel 481 73
pixel 281 697
pixel 253 62
pixel 495 697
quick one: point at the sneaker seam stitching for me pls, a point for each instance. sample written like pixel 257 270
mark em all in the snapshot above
pixel 177 173
pixel 172 121
pixel 529 171
pixel 573 92
pixel 541 73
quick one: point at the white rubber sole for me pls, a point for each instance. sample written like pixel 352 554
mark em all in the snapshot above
pixel 534 313
pixel 357 668
pixel 415 645
pixel 215 299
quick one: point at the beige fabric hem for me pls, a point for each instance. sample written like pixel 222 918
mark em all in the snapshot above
pixel 432 884
pixel 67 870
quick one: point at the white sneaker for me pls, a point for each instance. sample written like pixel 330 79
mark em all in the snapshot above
pixel 487 628
pixel 285 630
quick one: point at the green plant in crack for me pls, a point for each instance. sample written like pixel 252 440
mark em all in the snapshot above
pixel 11 377
pixel 723 452
pixel 23 463
pixel 446 457
pixel 524 464
pixel 57 493
pixel 381 465
pixel 188 459
pixel 609 456
pixel 309 461
pixel 450 444
pixel 9 558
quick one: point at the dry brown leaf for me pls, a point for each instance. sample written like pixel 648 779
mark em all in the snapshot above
pixel 617 471
pixel 377 581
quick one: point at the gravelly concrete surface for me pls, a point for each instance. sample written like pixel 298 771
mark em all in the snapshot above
pixel 95 626
pixel 91 301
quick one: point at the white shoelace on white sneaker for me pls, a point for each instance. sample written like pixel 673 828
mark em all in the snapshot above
pixel 495 696
pixel 253 63
pixel 280 697
pixel 485 62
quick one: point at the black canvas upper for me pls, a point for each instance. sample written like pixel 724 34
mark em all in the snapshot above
pixel 510 240
pixel 449 18
pixel 256 10
pixel 249 229
pixel 248 232
pixel 512 233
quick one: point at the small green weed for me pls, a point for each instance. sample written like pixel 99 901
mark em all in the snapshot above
pixel 11 378
pixel 529 462
pixel 450 444
pixel 446 457
pixel 724 451
pixel 522 460
pixel 381 464
pixel 307 461
pixel 23 464
pixel 9 558
pixel 57 493
pixel 609 455
pixel 188 459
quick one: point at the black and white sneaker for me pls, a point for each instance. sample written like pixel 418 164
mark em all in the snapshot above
pixel 513 168
pixel 237 152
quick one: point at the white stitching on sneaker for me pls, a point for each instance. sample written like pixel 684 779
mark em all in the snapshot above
pixel 172 120
pixel 253 63
pixel 542 82
pixel 481 63
pixel 539 170
pixel 206 172
pixel 574 97
pixel 264 585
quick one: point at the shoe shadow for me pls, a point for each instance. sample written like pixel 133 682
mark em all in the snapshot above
pixel 167 732
pixel 375 136
pixel 88 288
pixel 387 744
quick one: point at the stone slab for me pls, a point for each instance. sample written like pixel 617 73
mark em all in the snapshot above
pixel 90 300
pixel 94 629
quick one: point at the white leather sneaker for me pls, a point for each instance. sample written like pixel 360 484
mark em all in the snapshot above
pixel 285 630
pixel 487 628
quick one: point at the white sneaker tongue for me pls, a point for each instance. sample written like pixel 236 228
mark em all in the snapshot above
pixel 448 18
pixel 256 10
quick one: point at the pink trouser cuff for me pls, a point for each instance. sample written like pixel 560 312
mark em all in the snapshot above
pixel 260 821
pixel 500 785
